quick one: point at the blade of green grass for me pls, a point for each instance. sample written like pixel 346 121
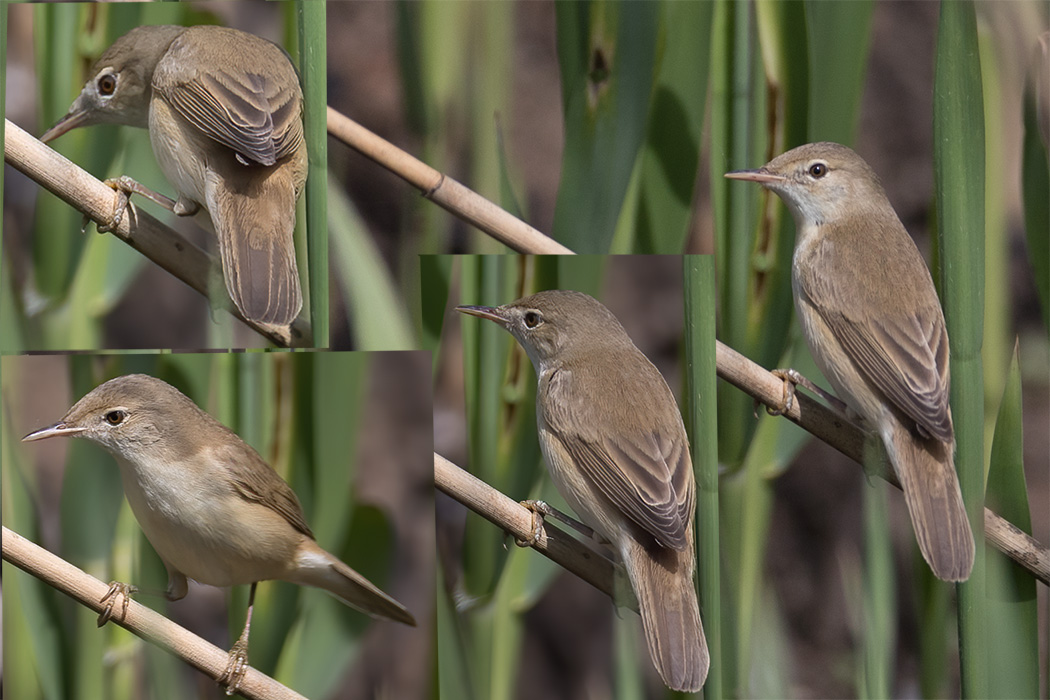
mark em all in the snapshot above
pixel 746 515
pixel 489 75
pixel 934 627
pixel 313 69
pixel 701 383
pixel 34 638
pixel 339 395
pixel 628 655
pixel 671 153
pixel 376 311
pixel 485 351
pixel 454 658
pixel 783 35
pixel 607 54
pixel 959 169
pixel 507 625
pixel 995 346
pixel 56 244
pixel 770 679
pixel 1013 617
pixel 879 597
pixel 737 144
pixel 839 38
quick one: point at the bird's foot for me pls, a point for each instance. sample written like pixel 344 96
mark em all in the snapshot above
pixel 116 588
pixel 790 378
pixel 793 378
pixel 120 206
pixel 541 510
pixel 236 667
pixel 125 187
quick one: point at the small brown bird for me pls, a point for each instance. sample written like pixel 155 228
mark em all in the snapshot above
pixel 872 320
pixel 224 113
pixel 614 441
pixel 211 507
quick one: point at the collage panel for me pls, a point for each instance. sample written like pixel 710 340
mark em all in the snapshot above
pixel 207 121
pixel 587 325
pixel 323 478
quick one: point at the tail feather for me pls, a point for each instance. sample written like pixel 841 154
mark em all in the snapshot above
pixel 663 584
pixel 926 470
pixel 362 594
pixel 254 222
pixel 316 567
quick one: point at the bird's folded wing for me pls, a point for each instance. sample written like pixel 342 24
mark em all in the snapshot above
pixel 250 112
pixel 646 474
pixel 906 358
pixel 256 481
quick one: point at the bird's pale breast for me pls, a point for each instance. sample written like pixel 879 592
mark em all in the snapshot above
pixel 202 529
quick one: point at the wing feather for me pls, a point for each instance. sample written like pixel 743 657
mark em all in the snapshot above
pixel 256 481
pixel 906 359
pixel 251 109
pixel 645 472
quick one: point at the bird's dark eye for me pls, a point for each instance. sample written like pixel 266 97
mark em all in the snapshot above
pixel 533 319
pixel 115 417
pixel 818 170
pixel 107 84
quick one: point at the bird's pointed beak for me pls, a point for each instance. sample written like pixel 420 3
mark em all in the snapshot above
pixel 760 175
pixel 492 313
pixel 59 429
pixel 76 117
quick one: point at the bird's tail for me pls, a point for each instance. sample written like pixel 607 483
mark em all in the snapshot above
pixel 926 470
pixel 254 221
pixel 663 584
pixel 318 568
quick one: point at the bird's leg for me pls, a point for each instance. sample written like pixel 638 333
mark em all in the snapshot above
pixel 125 187
pixel 177 585
pixel 791 378
pixel 542 509
pixel 115 588
pixel 185 207
pixel 237 662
